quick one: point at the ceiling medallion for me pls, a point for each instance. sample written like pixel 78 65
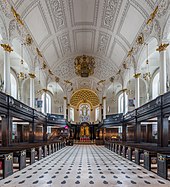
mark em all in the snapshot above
pixel 84 65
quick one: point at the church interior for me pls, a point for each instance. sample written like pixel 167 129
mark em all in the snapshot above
pixel 84 93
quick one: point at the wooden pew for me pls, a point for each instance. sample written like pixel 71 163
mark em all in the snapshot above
pixel 17 152
pixel 147 159
pixel 163 164
pixel 6 161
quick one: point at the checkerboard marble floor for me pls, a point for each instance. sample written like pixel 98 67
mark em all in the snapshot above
pixel 84 165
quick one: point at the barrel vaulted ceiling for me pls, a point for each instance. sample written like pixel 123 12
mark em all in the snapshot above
pixel 64 29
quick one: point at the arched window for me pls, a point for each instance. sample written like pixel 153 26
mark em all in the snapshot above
pixel 0 37
pixel 155 86
pixel 120 103
pixel 13 86
pixel 71 114
pixel 97 114
pixel 84 113
pixel 48 103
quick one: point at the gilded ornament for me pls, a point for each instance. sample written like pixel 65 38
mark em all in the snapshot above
pixel 84 94
pixel 32 75
pixel 45 90
pixel 7 47
pixel 38 52
pixel 17 16
pixel 101 81
pixel 50 72
pixel 29 40
pixel 57 79
pixel 125 66
pixel 137 75
pixel 112 79
pixel 84 65
pixel 140 39
pixel 130 52
pixel 68 82
pixel 44 65
pixel 118 73
pixel 162 47
pixel 124 90
pixel 21 75
pixel 152 16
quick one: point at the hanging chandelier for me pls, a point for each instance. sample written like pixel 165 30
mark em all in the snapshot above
pixel 147 75
pixel 21 75
pixel 84 65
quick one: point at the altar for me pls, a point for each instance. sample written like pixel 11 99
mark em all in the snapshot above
pixel 84 133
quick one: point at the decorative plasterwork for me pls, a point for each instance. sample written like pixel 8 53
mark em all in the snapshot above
pixel 6 9
pixel 57 13
pixel 64 26
pixel 142 12
pixel 84 95
pixel 103 43
pixel 13 29
pixel 42 16
pixel 110 13
pixel 104 69
pixel 66 69
pixel 163 7
pixel 64 42
pixel 95 14
pixel 3 28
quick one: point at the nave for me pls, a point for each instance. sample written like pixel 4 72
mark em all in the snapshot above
pixel 84 165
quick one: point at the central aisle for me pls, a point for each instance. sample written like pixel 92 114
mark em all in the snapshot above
pixel 84 165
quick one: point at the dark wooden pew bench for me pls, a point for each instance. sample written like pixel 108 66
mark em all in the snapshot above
pixel 39 152
pixel 163 164
pixel 148 159
pixel 120 148
pixel 124 151
pixel 6 163
pixel 52 147
pixel 49 149
pixel 18 153
pixel 138 153
pixel 30 153
pixel 44 148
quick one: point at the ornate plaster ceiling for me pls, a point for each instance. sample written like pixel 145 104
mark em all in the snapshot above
pixel 84 96
pixel 104 29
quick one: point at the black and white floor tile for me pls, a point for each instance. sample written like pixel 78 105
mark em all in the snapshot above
pixel 85 166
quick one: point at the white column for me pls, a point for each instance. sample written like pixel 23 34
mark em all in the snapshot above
pixel 104 107
pixel 163 71
pixel 100 112
pixel 65 107
pixel 32 90
pixel 124 100
pixel 68 112
pixel 137 90
pixel 19 90
pixel 7 80
pixel 45 103
pixel 147 96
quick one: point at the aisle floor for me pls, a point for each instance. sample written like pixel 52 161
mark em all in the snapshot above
pixel 84 166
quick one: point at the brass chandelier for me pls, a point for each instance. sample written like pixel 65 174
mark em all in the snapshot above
pixel 84 65
pixel 147 75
